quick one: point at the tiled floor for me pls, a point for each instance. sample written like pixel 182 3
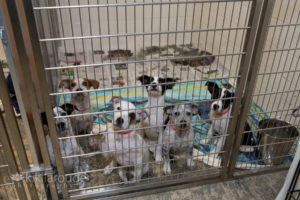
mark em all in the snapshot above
pixel 263 187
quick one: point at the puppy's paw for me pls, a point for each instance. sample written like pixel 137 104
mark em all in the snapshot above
pixel 123 176
pixel 158 158
pixel 190 163
pixel 167 168
pixel 107 170
pixel 135 179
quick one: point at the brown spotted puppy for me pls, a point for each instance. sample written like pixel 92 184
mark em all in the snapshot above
pixel 81 124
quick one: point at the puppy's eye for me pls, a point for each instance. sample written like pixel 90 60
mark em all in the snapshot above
pixel 118 108
pixel 84 83
pixel 73 84
pixel 188 113
pixel 63 114
pixel 177 113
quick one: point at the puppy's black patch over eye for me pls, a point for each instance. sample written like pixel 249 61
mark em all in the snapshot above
pixel 132 115
pixel 188 113
pixel 73 84
pixel 118 108
pixel 84 83
pixel 177 113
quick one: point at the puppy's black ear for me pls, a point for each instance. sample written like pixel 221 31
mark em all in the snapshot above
pixel 169 109
pixel 214 89
pixel 171 81
pixel 145 80
pixel 132 118
pixel 44 119
pixel 229 95
pixel 69 108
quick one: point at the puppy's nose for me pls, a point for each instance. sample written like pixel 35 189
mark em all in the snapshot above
pixel 216 106
pixel 183 124
pixel 79 89
pixel 120 120
pixel 154 86
pixel 61 125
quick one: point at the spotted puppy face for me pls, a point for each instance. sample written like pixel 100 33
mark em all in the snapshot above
pixel 63 125
pixel 157 86
pixel 124 113
pixel 221 97
pixel 78 85
pixel 181 115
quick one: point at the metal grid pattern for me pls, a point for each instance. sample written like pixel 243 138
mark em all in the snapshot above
pixel 276 87
pixel 90 39
pixel 83 30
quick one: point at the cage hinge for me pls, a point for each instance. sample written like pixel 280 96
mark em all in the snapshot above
pixel 31 173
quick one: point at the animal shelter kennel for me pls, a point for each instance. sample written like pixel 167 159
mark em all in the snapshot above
pixel 104 51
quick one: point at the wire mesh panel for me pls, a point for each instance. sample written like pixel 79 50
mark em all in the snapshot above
pixel 275 125
pixel 132 85
pixel 7 187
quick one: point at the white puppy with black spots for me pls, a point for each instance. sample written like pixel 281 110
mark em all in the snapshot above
pixel 68 145
pixel 152 118
pixel 178 139
pixel 220 111
pixel 126 146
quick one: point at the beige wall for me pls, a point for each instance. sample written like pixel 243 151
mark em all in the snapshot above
pixel 280 70
pixel 124 20
pixel 140 19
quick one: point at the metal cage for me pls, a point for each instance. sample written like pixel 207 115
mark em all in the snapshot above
pixel 88 52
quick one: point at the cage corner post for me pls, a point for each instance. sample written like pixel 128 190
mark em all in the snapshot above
pixel 257 38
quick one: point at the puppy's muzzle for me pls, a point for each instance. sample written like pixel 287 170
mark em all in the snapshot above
pixel 119 122
pixel 153 87
pixel 215 107
pixel 81 94
pixel 183 124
